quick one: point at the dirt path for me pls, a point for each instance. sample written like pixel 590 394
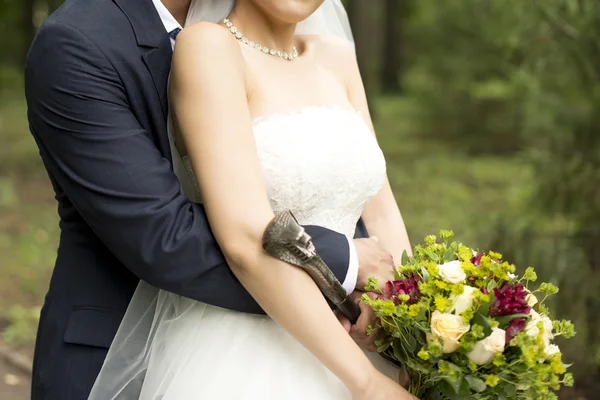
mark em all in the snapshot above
pixel 14 385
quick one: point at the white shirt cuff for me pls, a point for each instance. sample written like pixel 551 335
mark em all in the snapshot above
pixel 352 275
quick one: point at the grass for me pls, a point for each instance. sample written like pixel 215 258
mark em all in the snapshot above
pixel 435 189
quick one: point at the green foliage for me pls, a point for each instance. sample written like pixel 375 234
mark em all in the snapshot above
pixel 519 79
pixel 23 323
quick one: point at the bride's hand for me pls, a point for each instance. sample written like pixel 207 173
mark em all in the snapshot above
pixel 380 387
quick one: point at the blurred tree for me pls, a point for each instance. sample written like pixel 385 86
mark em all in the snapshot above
pixel 27 25
pixel 54 4
pixel 392 55
pixel 366 19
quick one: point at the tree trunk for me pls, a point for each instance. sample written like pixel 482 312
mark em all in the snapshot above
pixel 365 18
pixel 392 57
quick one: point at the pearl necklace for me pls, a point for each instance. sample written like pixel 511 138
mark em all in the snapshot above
pixel 240 36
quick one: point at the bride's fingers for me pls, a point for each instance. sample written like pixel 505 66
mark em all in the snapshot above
pixel 359 330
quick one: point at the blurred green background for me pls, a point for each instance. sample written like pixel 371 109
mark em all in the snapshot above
pixel 488 112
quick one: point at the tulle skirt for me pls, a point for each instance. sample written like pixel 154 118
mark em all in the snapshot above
pixel 173 348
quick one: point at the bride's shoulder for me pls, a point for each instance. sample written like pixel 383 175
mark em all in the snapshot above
pixel 330 47
pixel 207 40
pixel 336 54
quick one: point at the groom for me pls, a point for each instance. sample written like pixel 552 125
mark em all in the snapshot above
pixel 96 87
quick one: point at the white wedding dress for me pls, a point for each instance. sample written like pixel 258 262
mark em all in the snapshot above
pixel 323 164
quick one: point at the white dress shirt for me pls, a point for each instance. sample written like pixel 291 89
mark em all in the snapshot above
pixel 171 24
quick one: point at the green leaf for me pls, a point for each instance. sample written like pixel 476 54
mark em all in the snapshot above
pixel 405 259
pixel 455 390
pixel 383 347
pixel 464 390
pixel 447 390
pixel 475 383
pixel 399 354
pixel 484 309
pixel 433 256
pixel 505 320
pixel 492 284
pixel 511 391
pixel 425 274
pixel 449 255
pixel 411 344
pixel 433 393
pixel 482 321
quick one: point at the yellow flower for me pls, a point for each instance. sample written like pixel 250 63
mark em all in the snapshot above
pixel 423 355
pixel 441 303
pixel 492 380
pixel 414 310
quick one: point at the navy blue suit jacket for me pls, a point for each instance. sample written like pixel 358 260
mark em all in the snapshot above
pixel 96 88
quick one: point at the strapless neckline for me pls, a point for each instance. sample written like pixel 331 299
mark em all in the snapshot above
pixel 321 162
pixel 305 110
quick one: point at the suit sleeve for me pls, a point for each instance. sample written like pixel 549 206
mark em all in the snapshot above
pixel 111 170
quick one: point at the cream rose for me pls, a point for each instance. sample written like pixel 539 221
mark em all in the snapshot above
pixel 485 350
pixel 452 272
pixel 463 301
pixel 450 328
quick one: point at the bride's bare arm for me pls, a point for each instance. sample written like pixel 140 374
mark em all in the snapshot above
pixel 209 104
pixel 382 216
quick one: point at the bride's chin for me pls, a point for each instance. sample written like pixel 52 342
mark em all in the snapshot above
pixel 289 11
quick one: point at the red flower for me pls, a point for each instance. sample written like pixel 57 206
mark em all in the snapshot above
pixel 510 300
pixel 408 285
pixel 477 259
pixel 515 327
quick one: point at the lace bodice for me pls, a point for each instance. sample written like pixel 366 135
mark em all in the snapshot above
pixel 322 163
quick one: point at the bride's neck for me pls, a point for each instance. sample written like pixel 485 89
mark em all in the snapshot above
pixel 178 9
pixel 262 28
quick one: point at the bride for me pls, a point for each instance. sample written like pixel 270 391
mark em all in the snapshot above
pixel 269 114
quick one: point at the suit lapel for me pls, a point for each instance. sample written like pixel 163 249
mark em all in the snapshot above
pixel 155 47
pixel 158 62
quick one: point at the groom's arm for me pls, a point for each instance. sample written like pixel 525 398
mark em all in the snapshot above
pixel 112 172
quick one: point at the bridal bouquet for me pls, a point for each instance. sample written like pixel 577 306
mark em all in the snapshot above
pixel 464 326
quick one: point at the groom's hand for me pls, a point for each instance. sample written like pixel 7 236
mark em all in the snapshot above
pixel 373 262
pixel 358 331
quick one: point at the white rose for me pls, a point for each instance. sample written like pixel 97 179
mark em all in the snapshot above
pixel 463 301
pixel 452 272
pixel 551 350
pixel 532 328
pixel 485 350
pixel 450 328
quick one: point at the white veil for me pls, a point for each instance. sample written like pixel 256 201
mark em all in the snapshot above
pixel 131 353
